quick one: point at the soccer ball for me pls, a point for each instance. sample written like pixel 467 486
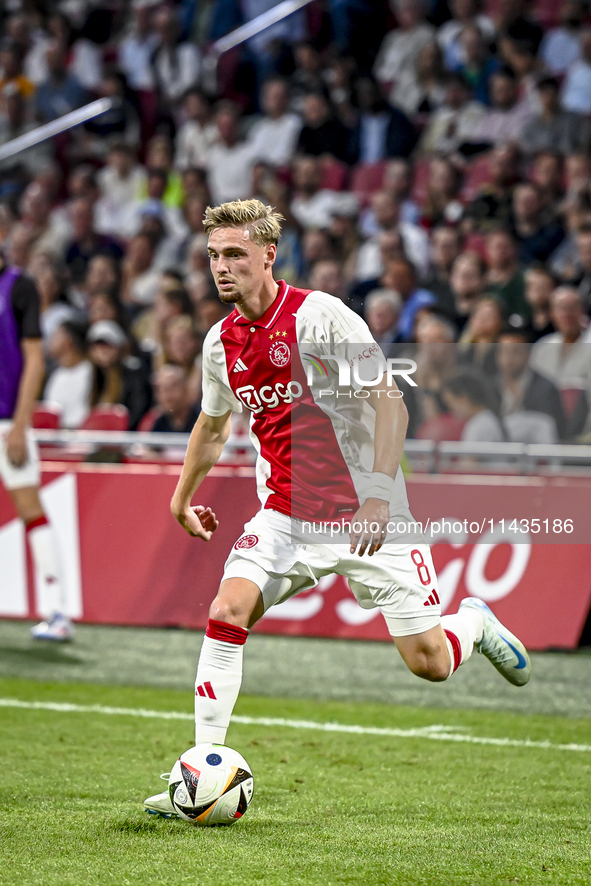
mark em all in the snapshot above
pixel 210 784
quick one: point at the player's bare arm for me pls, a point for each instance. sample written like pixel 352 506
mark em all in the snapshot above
pixel 28 392
pixel 390 434
pixel 205 447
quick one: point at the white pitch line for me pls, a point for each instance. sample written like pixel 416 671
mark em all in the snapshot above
pixel 434 733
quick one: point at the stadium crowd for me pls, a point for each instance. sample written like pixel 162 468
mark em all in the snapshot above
pixel 432 159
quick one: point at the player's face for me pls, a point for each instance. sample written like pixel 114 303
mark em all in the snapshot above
pixel 238 265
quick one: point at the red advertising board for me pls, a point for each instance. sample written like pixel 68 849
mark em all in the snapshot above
pixel 126 561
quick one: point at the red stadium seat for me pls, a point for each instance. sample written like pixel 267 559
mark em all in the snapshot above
pixel 147 422
pixel 477 174
pixel 46 417
pixel 420 181
pixel 443 427
pixel 475 243
pixel 546 13
pixel 334 174
pixel 367 178
pixel 107 418
pixel 570 399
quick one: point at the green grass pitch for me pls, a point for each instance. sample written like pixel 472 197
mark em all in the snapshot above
pixel 329 807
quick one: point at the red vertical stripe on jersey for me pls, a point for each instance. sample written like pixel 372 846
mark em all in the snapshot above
pixel 309 477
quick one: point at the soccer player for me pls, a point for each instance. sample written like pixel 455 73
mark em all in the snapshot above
pixel 321 457
pixel 22 368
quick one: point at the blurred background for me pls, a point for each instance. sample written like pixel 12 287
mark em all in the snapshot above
pixel 432 159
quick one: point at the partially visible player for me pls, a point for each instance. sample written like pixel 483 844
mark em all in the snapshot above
pixel 320 458
pixel 22 368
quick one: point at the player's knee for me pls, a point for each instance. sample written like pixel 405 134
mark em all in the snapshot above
pixel 430 668
pixel 229 610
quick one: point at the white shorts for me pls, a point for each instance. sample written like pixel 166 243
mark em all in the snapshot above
pixel 28 474
pixel 399 579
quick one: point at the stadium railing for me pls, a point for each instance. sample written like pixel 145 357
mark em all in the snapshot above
pixel 424 456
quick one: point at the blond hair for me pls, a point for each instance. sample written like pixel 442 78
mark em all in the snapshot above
pixel 262 221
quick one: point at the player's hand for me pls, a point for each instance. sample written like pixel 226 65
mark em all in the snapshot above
pixel 198 521
pixel 16 446
pixel 369 526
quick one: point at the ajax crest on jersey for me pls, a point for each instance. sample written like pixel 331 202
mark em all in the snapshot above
pixel 210 784
pixel 279 354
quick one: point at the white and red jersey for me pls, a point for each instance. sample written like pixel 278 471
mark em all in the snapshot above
pixel 315 454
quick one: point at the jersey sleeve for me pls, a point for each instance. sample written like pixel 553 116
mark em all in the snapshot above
pixel 217 395
pixel 328 328
pixel 25 305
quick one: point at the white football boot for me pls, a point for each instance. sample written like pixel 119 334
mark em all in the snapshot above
pixel 160 804
pixel 57 629
pixel 502 648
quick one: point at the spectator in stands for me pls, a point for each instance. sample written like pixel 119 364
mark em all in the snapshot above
pixel 105 304
pixel 442 202
pixel 554 128
pixel 465 13
pixel 178 411
pixel 401 276
pixel 538 234
pixel 176 65
pixel 453 122
pixel 467 280
pixel 493 204
pixel 445 248
pixel 327 276
pixel 69 385
pixel 523 390
pixel 317 245
pixel 401 47
pixel 140 279
pixel 381 130
pixel 60 92
pixel 172 300
pixel 386 212
pixel 312 204
pixel 229 161
pixel 197 133
pixel 582 276
pixel 564 356
pixel 117 378
pixel 420 89
pixel 505 275
pixel 121 182
pixel 83 56
pixel 561 46
pixel 391 247
pixel 137 48
pixel 540 283
pixel 182 347
pixel 547 174
pixel 11 66
pixel 48 232
pixel 478 65
pixel 102 272
pixel 155 206
pixel 436 361
pixel 275 135
pixel 478 339
pixel 321 132
pixel 398 183
pixel 16 171
pixel 209 310
pixel 86 241
pixel 576 92
pixel 119 124
pixel 508 116
pixel 53 303
pixel 382 313
pixel 468 395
